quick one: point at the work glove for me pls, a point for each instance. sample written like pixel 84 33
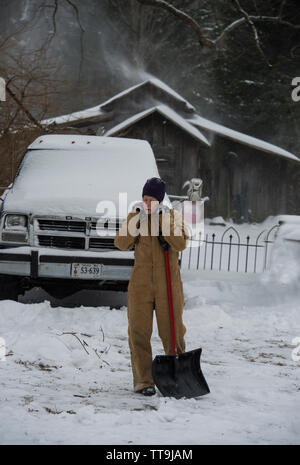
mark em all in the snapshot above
pixel 163 209
pixel 139 207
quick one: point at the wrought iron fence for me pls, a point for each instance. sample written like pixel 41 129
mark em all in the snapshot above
pixel 229 252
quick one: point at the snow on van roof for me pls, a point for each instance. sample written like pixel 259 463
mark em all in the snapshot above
pixel 71 179
pixel 168 113
pixel 259 144
pixel 73 142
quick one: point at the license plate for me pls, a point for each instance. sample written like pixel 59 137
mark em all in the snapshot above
pixel 86 270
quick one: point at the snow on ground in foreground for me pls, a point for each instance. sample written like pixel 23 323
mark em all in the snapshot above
pixel 54 392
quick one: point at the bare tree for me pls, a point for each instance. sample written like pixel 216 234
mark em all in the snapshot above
pixel 146 34
pixel 244 19
pixel 31 87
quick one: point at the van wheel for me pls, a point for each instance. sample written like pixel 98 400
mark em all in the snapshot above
pixel 9 288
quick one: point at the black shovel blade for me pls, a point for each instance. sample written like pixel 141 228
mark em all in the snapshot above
pixel 180 375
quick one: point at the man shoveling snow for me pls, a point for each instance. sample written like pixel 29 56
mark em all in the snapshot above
pixel 147 289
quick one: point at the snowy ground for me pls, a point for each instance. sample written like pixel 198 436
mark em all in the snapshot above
pixel 59 388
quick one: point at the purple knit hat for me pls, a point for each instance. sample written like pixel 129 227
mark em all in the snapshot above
pixel 155 187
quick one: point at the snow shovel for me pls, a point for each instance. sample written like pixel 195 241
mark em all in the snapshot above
pixel 177 375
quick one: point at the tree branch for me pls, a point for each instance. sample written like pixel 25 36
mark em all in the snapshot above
pixel 245 19
pixel 181 15
pixel 262 19
pixel 282 5
pixel 254 30
pixel 82 31
pixel 55 7
pixel 23 108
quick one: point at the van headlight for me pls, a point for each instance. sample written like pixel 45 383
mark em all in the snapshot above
pixel 15 229
pixel 16 222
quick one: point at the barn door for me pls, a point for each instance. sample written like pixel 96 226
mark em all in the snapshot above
pixel 237 203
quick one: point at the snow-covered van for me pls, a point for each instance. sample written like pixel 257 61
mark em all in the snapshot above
pixel 59 217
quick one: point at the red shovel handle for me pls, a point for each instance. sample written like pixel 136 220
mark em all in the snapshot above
pixel 172 323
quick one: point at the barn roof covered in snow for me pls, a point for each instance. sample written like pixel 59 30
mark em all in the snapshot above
pixel 90 114
pixel 100 112
pixel 167 113
pixel 259 144
pixel 155 85
pixel 154 95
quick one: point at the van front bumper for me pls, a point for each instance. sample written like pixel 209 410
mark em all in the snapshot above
pixel 38 263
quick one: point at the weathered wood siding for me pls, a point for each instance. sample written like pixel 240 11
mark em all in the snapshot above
pixel 244 183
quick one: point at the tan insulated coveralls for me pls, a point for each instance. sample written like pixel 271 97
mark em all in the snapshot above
pixel 147 289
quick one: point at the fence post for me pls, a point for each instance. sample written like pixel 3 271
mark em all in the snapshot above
pixel 221 253
pixel 256 247
pixel 198 254
pixel 229 254
pixel 205 251
pixel 267 241
pixel 212 250
pixel 247 251
pixel 190 257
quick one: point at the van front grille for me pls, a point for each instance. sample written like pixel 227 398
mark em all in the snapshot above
pixel 61 225
pixel 63 242
pixel 110 225
pixel 102 243
pixel 76 234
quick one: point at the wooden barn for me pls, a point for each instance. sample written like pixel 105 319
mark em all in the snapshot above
pixel 246 179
